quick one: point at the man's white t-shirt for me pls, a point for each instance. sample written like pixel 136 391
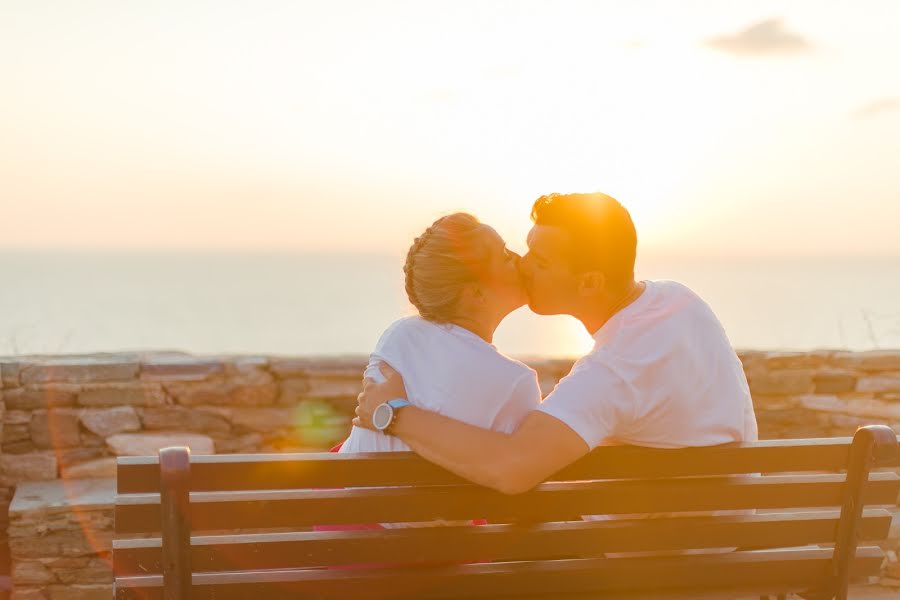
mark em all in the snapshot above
pixel 662 374
pixel 449 370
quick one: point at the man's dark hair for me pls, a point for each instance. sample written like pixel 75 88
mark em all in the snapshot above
pixel 603 235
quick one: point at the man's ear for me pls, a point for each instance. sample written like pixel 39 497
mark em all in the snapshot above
pixel 591 283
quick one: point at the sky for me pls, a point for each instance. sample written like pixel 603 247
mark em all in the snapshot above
pixel 727 128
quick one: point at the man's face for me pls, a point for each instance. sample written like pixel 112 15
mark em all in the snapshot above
pixel 547 273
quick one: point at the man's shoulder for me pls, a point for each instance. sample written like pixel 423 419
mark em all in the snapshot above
pixel 677 300
pixel 671 289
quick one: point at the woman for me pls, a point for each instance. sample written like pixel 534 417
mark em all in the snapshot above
pixel 463 282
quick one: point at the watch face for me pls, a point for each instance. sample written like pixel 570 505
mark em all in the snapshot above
pixel 381 418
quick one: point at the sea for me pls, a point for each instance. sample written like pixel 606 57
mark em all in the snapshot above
pixel 339 304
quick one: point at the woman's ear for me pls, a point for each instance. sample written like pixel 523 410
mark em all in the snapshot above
pixel 479 294
pixel 473 295
pixel 591 283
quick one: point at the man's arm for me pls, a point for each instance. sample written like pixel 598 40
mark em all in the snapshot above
pixel 510 463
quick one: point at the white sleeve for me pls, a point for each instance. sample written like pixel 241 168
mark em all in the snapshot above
pixel 372 370
pixel 388 351
pixel 592 400
pixel 525 397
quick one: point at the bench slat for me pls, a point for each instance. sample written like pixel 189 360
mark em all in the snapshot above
pixel 140 474
pixel 784 569
pixel 555 501
pixel 497 542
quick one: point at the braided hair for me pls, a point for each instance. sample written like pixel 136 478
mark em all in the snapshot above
pixel 440 262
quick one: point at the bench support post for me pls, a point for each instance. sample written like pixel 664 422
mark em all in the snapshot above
pixel 175 479
pixel 872 445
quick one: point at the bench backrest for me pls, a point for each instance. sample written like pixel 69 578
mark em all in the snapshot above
pixel 250 518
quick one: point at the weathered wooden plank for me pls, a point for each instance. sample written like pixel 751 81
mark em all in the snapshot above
pixel 496 542
pixel 785 569
pixel 175 474
pixel 289 471
pixel 553 501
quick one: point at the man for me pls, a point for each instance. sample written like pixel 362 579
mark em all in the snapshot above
pixel 662 372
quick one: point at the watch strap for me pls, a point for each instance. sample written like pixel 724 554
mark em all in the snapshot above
pixel 396 404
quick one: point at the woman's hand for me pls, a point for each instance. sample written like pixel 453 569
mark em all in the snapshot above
pixel 375 394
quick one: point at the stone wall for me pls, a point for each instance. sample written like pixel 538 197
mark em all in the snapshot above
pixel 821 394
pixel 66 418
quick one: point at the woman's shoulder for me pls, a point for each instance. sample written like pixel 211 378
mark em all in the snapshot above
pixel 421 335
pixel 412 330
pixel 514 369
pixel 407 326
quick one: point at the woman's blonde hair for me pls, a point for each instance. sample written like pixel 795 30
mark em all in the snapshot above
pixel 441 262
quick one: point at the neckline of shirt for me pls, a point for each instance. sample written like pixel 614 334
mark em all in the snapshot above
pixel 603 335
pixel 465 333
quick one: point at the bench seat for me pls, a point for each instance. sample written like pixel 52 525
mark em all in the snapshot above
pixel 803 515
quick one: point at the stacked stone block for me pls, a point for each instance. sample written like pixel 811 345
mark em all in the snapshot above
pixel 823 394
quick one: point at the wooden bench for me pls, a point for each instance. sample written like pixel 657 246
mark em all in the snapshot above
pixel 212 543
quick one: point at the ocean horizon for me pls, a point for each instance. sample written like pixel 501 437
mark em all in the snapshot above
pixel 333 304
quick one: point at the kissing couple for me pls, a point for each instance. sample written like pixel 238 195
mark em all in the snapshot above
pixel 662 372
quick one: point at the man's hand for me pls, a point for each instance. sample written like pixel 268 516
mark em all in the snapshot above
pixel 375 394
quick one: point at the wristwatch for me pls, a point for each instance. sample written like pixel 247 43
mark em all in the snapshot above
pixel 385 414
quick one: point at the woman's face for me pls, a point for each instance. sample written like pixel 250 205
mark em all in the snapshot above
pixel 502 283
